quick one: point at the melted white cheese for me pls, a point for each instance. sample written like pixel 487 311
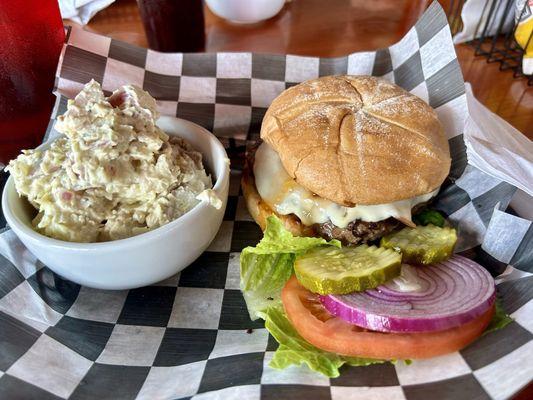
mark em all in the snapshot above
pixel 285 196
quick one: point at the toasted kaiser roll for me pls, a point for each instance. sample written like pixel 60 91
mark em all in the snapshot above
pixel 357 140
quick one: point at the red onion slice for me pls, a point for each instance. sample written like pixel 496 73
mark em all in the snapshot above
pixel 452 293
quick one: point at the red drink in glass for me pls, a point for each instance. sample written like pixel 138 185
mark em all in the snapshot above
pixel 31 38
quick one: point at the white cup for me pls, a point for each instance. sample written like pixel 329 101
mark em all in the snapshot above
pixel 245 11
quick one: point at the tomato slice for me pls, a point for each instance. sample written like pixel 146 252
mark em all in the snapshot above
pixel 316 325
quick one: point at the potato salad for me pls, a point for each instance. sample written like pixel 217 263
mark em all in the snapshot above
pixel 114 173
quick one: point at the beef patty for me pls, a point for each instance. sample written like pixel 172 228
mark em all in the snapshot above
pixel 357 232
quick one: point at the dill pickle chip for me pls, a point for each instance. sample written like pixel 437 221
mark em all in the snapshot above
pixel 330 270
pixel 422 245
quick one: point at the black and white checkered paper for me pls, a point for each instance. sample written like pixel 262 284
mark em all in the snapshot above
pixel 190 336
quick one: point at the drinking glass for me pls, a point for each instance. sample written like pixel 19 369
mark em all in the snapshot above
pixel 32 36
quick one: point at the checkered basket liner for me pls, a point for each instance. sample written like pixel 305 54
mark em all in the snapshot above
pixel 190 336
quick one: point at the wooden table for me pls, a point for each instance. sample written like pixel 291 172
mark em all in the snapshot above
pixel 308 27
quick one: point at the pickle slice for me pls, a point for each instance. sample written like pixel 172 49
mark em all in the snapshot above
pixel 423 244
pixel 330 270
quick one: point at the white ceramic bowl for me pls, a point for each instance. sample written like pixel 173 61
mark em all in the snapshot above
pixel 245 11
pixel 140 260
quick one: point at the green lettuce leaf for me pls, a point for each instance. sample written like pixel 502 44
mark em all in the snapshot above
pixel 428 216
pixel 499 320
pixel 266 267
pixel 295 350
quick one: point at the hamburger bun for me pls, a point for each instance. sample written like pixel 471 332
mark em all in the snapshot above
pixel 357 140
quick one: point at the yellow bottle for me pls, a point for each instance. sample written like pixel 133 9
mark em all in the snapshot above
pixel 524 33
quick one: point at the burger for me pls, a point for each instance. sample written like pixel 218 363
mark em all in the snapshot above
pixel 345 157
pixel 346 160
